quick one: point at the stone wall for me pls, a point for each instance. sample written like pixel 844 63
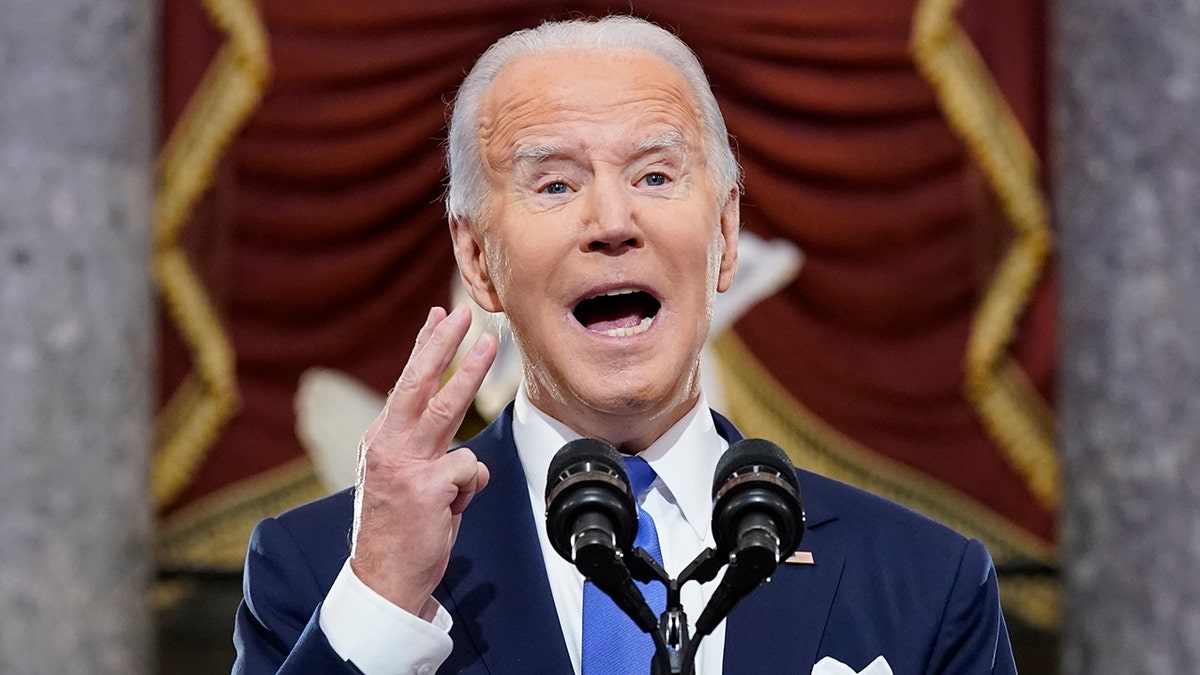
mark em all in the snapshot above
pixel 1127 132
pixel 77 133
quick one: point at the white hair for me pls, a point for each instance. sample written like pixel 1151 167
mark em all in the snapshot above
pixel 467 192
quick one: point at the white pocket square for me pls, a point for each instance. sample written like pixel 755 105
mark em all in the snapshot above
pixel 831 666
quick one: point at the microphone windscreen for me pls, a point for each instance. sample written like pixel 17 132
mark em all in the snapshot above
pixel 750 452
pixel 580 450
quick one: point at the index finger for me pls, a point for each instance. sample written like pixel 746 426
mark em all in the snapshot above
pixel 444 414
pixel 419 383
pixel 436 315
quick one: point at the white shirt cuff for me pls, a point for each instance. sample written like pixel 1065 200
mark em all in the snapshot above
pixel 378 637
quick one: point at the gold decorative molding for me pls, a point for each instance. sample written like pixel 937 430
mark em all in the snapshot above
pixel 760 406
pixel 1013 412
pixel 212 533
pixel 1038 601
pixel 231 89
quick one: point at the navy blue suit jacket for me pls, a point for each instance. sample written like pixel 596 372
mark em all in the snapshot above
pixel 885 581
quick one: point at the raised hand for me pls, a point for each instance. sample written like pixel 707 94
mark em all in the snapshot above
pixel 410 491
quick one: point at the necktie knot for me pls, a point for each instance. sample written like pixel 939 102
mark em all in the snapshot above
pixel 641 475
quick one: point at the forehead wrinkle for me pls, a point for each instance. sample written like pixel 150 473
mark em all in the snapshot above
pixel 503 123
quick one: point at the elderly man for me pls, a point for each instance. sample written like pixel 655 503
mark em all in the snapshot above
pixel 594 200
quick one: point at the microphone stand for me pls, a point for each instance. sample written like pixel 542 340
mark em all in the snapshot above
pixel 675 650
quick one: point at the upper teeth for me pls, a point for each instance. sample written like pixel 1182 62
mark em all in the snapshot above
pixel 619 291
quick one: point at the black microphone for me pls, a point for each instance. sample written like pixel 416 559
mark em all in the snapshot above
pixel 591 519
pixel 757 521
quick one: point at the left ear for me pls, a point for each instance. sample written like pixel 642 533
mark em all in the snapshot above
pixel 473 267
pixel 731 223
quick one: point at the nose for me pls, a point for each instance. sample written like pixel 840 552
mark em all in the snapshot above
pixel 610 223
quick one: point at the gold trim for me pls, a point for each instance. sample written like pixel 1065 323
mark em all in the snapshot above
pixel 762 407
pixel 1038 602
pixel 1011 408
pixel 231 89
pixel 213 532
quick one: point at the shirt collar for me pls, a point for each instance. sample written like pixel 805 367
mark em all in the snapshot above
pixel 684 474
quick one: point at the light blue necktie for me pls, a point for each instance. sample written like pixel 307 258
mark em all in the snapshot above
pixel 612 642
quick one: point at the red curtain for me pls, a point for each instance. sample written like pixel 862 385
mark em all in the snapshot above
pixel 323 239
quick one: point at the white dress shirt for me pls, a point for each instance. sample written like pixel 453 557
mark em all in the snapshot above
pixel 381 638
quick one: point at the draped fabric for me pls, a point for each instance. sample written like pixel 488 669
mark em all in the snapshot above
pixel 323 240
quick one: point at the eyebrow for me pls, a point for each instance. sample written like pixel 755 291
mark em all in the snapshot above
pixel 671 140
pixel 536 153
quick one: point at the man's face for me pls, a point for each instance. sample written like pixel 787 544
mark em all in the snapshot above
pixel 605 240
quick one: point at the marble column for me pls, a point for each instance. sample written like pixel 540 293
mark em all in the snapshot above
pixel 77 136
pixel 1127 207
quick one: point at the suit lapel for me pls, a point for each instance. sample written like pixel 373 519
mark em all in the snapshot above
pixel 779 627
pixel 496 577
pixel 497 589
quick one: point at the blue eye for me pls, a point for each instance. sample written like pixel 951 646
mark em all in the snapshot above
pixel 655 179
pixel 556 188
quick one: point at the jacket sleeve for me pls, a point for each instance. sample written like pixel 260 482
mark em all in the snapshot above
pixel 277 629
pixel 973 637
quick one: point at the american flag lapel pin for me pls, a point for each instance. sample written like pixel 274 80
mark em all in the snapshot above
pixel 800 558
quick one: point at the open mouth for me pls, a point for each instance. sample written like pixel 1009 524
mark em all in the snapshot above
pixel 622 312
